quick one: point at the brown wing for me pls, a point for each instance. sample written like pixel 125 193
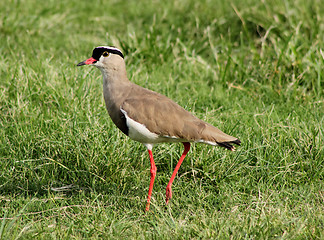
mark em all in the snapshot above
pixel 166 118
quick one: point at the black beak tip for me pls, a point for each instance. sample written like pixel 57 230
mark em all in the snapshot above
pixel 81 64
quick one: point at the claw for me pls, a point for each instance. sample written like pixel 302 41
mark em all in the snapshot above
pixel 147 207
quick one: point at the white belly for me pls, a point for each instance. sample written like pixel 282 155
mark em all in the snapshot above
pixel 138 132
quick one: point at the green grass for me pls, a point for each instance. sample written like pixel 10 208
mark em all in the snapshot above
pixel 255 69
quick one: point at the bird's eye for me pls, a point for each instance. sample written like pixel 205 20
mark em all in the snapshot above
pixel 105 54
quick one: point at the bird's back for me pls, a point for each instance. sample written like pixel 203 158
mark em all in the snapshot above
pixel 166 118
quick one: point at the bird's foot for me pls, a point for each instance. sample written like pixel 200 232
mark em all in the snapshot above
pixel 147 207
pixel 168 194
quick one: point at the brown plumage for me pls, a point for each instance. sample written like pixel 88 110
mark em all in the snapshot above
pixel 167 119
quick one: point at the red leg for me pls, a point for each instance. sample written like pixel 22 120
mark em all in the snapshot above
pixel 168 188
pixel 153 173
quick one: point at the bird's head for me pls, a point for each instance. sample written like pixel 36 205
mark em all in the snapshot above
pixel 104 57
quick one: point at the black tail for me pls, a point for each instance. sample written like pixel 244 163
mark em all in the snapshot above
pixel 228 144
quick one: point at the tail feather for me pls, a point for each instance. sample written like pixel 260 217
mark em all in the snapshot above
pixel 222 139
pixel 228 144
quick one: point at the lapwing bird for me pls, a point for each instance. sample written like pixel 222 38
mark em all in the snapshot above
pixel 149 117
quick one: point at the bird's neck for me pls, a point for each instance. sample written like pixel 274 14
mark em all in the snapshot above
pixel 113 74
pixel 116 87
pixel 114 78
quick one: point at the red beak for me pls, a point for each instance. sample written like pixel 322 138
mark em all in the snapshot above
pixel 87 62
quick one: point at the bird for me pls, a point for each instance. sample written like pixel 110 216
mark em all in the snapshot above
pixel 149 117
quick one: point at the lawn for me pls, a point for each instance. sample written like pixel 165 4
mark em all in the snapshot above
pixel 254 69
